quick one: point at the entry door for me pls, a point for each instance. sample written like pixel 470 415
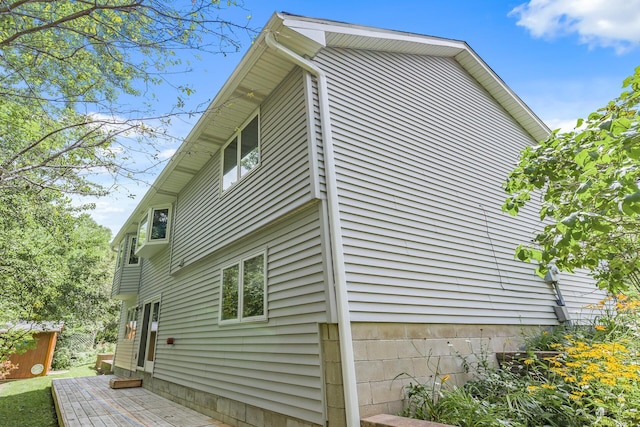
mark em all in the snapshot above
pixel 148 338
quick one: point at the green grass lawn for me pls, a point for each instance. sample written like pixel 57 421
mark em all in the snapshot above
pixel 28 403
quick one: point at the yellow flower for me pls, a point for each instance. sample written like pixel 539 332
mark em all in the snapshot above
pixel 445 378
pixel 608 381
pixel 600 328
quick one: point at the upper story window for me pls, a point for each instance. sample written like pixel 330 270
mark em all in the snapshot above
pixel 132 258
pixel 242 290
pixel 242 154
pixel 153 231
pixel 127 253
pixel 121 252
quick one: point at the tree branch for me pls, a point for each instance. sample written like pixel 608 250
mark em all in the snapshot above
pixel 64 19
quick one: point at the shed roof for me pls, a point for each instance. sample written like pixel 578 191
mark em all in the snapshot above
pixel 47 326
pixel 261 70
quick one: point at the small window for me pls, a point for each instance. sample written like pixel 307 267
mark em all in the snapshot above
pixel 243 290
pixel 230 282
pixel 142 233
pixel 121 253
pixel 153 232
pixel 133 259
pixel 242 154
pixel 159 224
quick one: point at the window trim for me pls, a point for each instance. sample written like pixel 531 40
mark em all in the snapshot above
pixel 237 135
pixel 122 249
pixel 148 241
pixel 131 251
pixel 240 263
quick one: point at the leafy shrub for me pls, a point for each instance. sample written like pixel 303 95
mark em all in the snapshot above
pixel 73 348
pixel 61 359
pixel 594 380
pixel 108 334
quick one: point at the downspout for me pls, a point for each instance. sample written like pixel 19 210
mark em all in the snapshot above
pixel 335 231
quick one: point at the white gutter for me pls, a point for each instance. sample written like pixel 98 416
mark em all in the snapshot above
pixel 352 411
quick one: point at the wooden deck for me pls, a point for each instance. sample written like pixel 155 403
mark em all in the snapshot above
pixel 89 401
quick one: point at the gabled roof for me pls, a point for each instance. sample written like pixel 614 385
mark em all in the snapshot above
pixel 261 70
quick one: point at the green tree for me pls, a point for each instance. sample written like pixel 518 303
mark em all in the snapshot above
pixel 55 265
pixel 585 183
pixel 68 69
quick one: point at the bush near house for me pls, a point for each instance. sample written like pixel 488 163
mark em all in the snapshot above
pixel 593 380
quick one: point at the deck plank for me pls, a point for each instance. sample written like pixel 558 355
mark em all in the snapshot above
pixel 90 402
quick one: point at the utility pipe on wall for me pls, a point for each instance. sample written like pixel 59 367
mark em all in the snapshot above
pixel 352 411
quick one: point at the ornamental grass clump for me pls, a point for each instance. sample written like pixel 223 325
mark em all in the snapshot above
pixel 594 380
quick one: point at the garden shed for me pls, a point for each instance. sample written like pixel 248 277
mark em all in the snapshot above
pixel 35 362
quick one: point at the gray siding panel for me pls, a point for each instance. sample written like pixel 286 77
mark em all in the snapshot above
pixel 207 220
pixel 273 364
pixel 421 154
pixel 126 279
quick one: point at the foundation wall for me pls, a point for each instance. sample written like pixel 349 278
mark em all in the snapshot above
pixel 232 412
pixel 388 356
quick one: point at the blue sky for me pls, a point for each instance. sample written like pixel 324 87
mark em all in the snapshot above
pixel 564 58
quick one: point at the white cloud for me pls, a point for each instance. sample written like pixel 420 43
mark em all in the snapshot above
pixel 106 208
pixel 166 154
pixel 606 23
pixel 562 124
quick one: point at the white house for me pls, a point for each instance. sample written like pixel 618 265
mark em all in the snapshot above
pixel 332 221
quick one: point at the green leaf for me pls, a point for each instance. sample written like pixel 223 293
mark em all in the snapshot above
pixel 632 198
pixel 584 186
pixel 570 220
pixel 590 178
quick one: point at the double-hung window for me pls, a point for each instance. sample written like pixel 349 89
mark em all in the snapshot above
pixel 132 258
pixel 127 253
pixel 121 254
pixel 242 153
pixel 242 290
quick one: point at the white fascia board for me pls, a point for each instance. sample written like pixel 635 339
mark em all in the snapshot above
pixel 317 36
pixel 510 101
pixel 309 24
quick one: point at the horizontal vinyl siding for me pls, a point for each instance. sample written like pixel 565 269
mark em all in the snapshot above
pixel 130 279
pixel 421 154
pixel 274 364
pixel 126 279
pixel 207 220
